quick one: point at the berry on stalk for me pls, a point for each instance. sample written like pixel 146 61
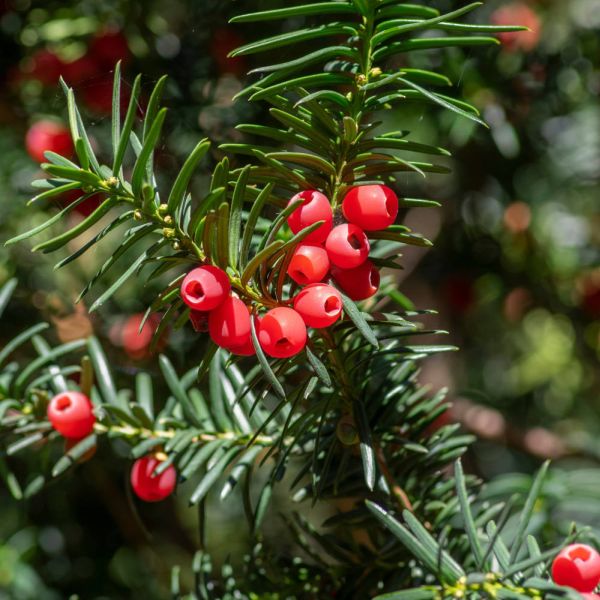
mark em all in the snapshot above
pixel 71 414
pixel 347 246
pixel 48 135
pixel 309 264
pixel 577 566
pixel 319 305
pixel 205 288
pixel 359 283
pixel 371 207
pixel 229 323
pixel 315 207
pixel 149 487
pixel 282 333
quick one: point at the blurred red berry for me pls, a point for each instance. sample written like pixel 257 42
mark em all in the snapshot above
pixel 205 288
pixel 98 94
pixel 309 264
pixel 136 343
pixel 347 246
pixel 459 292
pixel 48 135
pixel 80 70
pixel 577 566
pixel 150 487
pixel 282 333
pixel 108 47
pixel 85 208
pixel 371 207
pixel 319 305
pixel 315 207
pixel 71 414
pixel 44 66
pixel 518 13
pixel 229 323
pixel 359 283
pixel 224 40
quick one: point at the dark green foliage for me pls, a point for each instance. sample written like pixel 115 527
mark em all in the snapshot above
pixel 347 420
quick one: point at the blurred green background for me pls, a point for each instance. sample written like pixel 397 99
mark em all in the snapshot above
pixel 514 273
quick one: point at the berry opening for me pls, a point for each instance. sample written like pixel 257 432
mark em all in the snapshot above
pixel 332 305
pixel 580 553
pixel 281 342
pixel 63 403
pixel 355 241
pixel 300 276
pixel 196 290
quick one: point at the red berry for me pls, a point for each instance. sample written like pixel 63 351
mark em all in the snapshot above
pixel 48 135
pixel 578 567
pixel 359 283
pixel 245 349
pixel 309 264
pixel 199 320
pixel 347 246
pixel 70 413
pixel 98 95
pixel 282 333
pixel 148 487
pixel 205 288
pixel 79 70
pixel 319 305
pixel 110 46
pixel 590 596
pixel 136 343
pixel 45 66
pixel 315 207
pixel 224 40
pixel 229 323
pixel 518 13
pixel 371 207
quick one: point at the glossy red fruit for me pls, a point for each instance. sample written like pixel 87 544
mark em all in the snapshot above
pixel 282 333
pixel 48 135
pixel 70 413
pixel 578 567
pixel 347 246
pixel 229 323
pixel 136 343
pixel 319 305
pixel 315 207
pixel 205 288
pixel 371 207
pixel 110 46
pixel 359 283
pixel 148 487
pixel 309 264
pixel 245 349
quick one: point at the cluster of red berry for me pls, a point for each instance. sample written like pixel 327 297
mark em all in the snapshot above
pixel 94 68
pixel 341 251
pixel 71 414
pixel 578 567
